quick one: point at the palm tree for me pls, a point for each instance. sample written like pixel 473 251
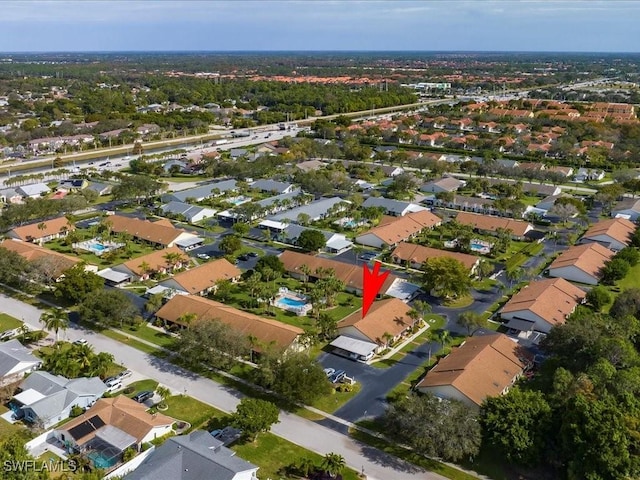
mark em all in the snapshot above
pixel 333 464
pixel 173 259
pixel 306 466
pixel 443 336
pixel 55 320
pixel 83 355
pixel 145 268
pixel 187 318
pixel 304 268
pixel 164 393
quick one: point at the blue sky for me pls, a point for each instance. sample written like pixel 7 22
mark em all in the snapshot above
pixel 161 25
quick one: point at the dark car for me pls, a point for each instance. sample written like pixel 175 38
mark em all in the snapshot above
pixel 143 396
pixel 243 258
pixel 252 254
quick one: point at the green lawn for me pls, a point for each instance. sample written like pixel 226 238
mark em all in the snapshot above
pixel 132 342
pixel 145 332
pixel 8 429
pixel 185 408
pixel 632 279
pixel 7 322
pixel 141 386
pixel 332 402
pixel 272 453
pixel 461 302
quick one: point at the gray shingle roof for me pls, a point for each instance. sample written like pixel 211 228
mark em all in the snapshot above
pixel 13 353
pixel 191 457
pixel 201 192
pixel 268 185
pixel 271 200
pixel 315 209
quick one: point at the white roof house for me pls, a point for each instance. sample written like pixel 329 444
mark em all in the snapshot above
pixel 192 213
pixel 15 361
pixel 396 208
pixel 34 190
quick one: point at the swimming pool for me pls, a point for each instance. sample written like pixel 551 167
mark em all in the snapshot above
pixel 291 302
pixel 99 247
pixel 100 460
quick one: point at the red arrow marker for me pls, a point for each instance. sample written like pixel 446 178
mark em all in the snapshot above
pixel 372 282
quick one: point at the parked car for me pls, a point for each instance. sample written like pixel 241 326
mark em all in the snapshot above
pixel 203 256
pixel 110 380
pixel 368 256
pixel 80 341
pixel 143 396
pixel 243 258
pixel 115 386
pixel 124 374
pixel 252 254
pixel 329 371
pixel 337 376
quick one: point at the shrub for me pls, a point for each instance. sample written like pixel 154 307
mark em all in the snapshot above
pixel 76 411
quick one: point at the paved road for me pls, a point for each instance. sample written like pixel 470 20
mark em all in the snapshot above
pixel 310 435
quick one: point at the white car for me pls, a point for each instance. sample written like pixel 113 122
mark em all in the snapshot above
pixel 80 341
pixel 124 374
pixel 203 256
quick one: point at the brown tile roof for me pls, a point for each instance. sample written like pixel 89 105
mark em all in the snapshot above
pixel 145 230
pixel 156 260
pixel 479 368
pixel 205 276
pixel 121 412
pixel 401 228
pixel 552 299
pixel 32 232
pixel 620 229
pixel 32 252
pixel 350 274
pixel 489 223
pixel 265 330
pixel 589 258
pixel 385 316
pixel 419 254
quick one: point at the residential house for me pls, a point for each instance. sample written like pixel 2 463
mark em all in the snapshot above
pixel 238 152
pixel 392 170
pixel 548 202
pixel 268 185
pixel 316 210
pixel 148 129
pixel 10 195
pixel 615 234
pixel 351 275
pixel 384 324
pixel 73 184
pixel 160 233
pixel 34 190
pixel 203 279
pixel 55 263
pixel 265 331
pixel 444 184
pixel 417 255
pixel 465 203
pixel 15 362
pixel 581 263
pixel 41 232
pixel 289 233
pixel 481 367
pixel 195 456
pixel 47 399
pixel 100 188
pixel 155 263
pixel 279 203
pixel 110 427
pixel 541 305
pixel 391 231
pixel 191 213
pixel 564 171
pixel 490 225
pixel 396 208
pixel 504 163
pixel 201 192
pixel 588 175
pixel 310 165
pixel 629 208
pixel 175 165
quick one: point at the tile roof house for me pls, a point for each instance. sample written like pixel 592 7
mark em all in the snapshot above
pixel 56 263
pixel 445 184
pixel 350 274
pixel 158 233
pixel 156 262
pixel 202 279
pixel 41 232
pixel 16 361
pixel 417 255
pixel 385 322
pixel 615 234
pixel 264 330
pixel 111 426
pixel 192 213
pixel 201 192
pixel 581 263
pixel 392 231
pixel 490 225
pixel 195 456
pixel 396 208
pixel 481 367
pixel 47 399
pixel 268 185
pixel 542 305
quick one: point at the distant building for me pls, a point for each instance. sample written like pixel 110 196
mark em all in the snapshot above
pixel 581 263
pixel 615 234
pixel 41 232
